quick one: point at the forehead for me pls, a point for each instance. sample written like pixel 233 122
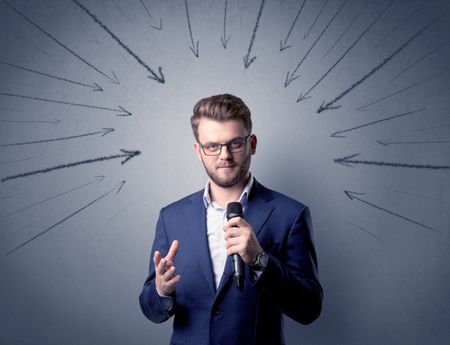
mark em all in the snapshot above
pixel 220 131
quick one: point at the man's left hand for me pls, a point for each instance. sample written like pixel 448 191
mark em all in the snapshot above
pixel 241 239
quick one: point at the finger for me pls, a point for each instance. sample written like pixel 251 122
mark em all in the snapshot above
pixel 168 275
pixel 161 268
pixel 232 232
pixel 172 251
pixel 156 258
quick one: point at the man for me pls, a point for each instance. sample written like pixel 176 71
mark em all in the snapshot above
pixel 191 276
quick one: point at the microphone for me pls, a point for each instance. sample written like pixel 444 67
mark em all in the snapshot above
pixel 234 209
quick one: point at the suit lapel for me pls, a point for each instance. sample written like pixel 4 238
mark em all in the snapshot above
pixel 196 226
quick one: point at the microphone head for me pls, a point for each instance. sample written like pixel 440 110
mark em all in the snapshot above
pixel 234 209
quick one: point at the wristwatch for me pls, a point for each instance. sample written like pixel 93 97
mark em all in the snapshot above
pixel 261 262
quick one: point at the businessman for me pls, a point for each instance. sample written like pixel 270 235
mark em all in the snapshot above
pixel 191 271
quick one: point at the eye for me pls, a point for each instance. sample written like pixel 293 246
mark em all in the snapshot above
pixel 212 147
pixel 236 144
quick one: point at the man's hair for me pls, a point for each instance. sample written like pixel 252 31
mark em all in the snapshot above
pixel 221 108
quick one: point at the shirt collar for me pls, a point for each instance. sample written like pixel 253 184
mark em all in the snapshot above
pixel 242 199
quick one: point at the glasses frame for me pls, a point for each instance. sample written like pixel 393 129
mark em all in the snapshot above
pixel 227 145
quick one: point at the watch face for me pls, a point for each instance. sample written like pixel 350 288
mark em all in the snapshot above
pixel 263 259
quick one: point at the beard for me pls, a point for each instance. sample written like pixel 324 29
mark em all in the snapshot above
pixel 233 179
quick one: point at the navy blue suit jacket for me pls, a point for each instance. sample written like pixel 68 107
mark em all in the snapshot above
pixel 254 315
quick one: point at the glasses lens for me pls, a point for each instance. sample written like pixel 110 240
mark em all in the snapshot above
pixel 236 145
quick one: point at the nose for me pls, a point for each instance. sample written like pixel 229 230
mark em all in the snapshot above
pixel 225 154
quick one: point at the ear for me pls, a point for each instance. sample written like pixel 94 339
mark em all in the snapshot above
pixel 253 143
pixel 198 152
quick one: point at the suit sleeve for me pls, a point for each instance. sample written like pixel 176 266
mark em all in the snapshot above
pixel 152 305
pixel 291 279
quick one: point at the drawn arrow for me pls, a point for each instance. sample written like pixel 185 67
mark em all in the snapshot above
pixel 194 46
pixel 103 132
pixel 224 38
pixel 417 61
pixel 330 105
pixel 26 121
pixel 315 20
pixel 355 196
pixel 347 161
pixel 305 95
pixel 97 179
pixel 364 107
pixel 283 44
pixel 389 34
pixel 151 17
pixel 388 142
pixel 94 87
pixel 113 79
pixel 247 60
pixel 117 188
pixel 338 133
pixel 291 77
pixel 345 31
pixel 125 154
pixel 159 78
pixel 126 112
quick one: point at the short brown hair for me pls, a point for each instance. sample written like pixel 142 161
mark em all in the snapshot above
pixel 221 108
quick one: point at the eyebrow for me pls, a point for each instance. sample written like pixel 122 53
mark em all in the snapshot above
pixel 229 141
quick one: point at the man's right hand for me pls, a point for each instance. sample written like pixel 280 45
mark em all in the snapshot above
pixel 166 279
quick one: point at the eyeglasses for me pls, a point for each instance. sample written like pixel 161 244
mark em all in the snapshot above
pixel 234 146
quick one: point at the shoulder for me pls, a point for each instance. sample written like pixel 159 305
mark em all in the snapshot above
pixel 184 202
pixel 279 200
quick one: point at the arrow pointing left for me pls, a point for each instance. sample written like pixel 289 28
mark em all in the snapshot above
pixel 125 154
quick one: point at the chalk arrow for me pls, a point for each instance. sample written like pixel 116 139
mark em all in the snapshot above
pixel 125 154
pixel 337 134
pixel 97 179
pixel 390 142
pixel 348 161
pixel 283 44
pixel 159 78
pixel 224 38
pixel 193 46
pixel 126 112
pixel 159 28
pixel 113 79
pixel 117 189
pixel 290 78
pixel 356 196
pixel 94 86
pixel 247 60
pixel 103 132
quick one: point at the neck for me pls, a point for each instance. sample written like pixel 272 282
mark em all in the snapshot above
pixel 222 196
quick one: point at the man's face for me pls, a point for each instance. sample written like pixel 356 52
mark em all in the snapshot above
pixel 226 169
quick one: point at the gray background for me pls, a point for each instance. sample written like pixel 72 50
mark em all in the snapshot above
pixel 383 258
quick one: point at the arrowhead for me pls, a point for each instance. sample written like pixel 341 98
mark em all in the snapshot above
pixel 156 27
pixel 302 97
pixel 346 160
pixel 289 79
pixel 100 178
pixel 96 87
pixel 248 62
pixel 160 78
pixel 129 155
pixel 107 130
pixel 127 113
pixel 351 195
pixel 120 185
pixel 195 50
pixel 114 79
pixel 224 41
pixel 283 46
pixel 383 142
pixel 327 106
pixel 335 135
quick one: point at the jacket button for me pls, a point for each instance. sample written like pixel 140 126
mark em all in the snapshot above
pixel 216 311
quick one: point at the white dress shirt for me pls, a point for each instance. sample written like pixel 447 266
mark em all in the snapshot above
pixel 216 218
